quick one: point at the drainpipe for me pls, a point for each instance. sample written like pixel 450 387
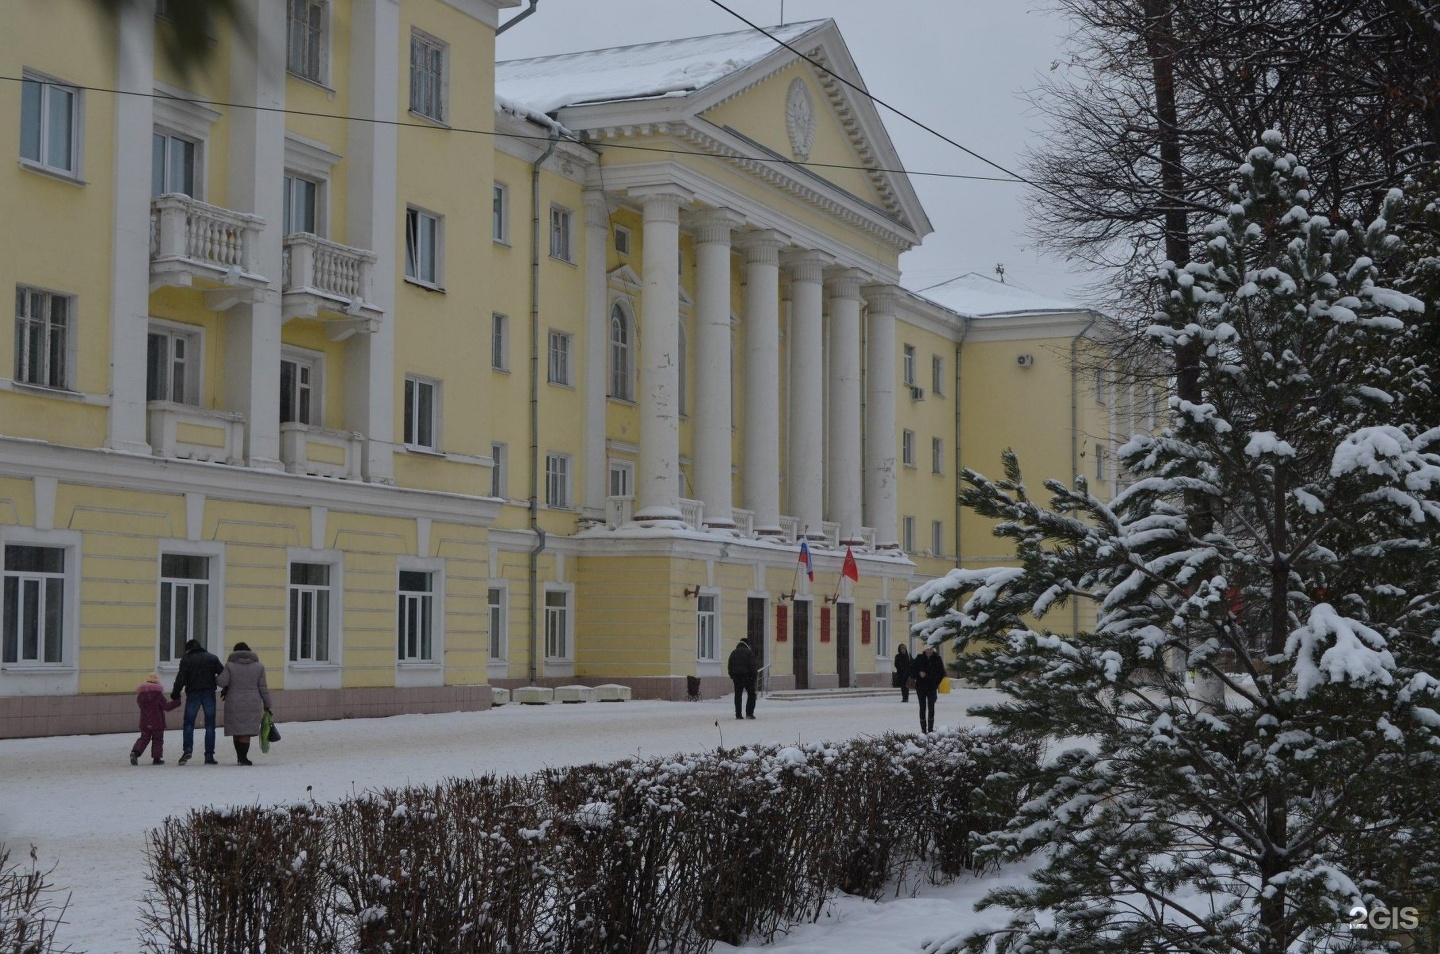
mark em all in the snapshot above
pixel 1075 436
pixel 534 569
pixel 517 19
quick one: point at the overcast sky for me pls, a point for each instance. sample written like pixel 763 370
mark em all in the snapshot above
pixel 959 66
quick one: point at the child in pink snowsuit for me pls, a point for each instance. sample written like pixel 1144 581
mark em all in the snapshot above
pixel 153 705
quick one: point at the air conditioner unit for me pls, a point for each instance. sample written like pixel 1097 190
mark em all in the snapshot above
pixel 1025 360
pixel 917 393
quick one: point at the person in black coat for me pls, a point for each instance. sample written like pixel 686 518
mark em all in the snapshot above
pixel 199 670
pixel 928 670
pixel 901 676
pixel 742 674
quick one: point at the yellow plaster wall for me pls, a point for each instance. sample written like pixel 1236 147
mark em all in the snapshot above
pixel 17 502
pixel 919 491
pixel 629 614
pixel 210 84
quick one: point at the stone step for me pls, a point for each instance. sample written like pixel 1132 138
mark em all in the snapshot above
pixel 797 695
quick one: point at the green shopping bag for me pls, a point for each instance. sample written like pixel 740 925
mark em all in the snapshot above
pixel 267 730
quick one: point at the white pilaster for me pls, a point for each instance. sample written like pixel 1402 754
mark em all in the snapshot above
pixel 881 301
pixel 713 481
pixel 373 223
pixel 597 339
pixel 762 379
pixel 807 368
pixel 130 250
pixel 658 482
pixel 843 465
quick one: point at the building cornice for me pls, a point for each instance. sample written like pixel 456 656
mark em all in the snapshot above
pixel 486 11
pixel 1033 325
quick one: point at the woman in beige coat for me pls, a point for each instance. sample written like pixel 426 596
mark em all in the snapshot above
pixel 246 696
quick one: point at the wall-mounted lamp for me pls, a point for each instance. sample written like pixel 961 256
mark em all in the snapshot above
pixel 782 597
pixel 692 591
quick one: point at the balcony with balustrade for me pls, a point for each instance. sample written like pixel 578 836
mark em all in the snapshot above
pixel 197 245
pixel 330 283
pixel 320 452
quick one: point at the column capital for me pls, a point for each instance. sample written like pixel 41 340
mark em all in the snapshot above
pixel 807 265
pixel 597 207
pixel 884 299
pixel 662 203
pixel 713 226
pixel 845 282
pixel 761 246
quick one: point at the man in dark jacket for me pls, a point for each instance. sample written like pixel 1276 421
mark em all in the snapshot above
pixel 742 673
pixel 928 670
pixel 196 678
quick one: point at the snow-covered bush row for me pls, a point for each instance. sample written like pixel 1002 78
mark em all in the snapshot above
pixel 30 910
pixel 669 854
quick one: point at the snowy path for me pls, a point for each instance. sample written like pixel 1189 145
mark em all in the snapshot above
pixel 86 809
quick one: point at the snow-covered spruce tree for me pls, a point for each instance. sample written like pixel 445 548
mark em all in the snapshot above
pixel 1278 542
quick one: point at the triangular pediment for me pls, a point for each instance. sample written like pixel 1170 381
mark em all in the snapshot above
pixel 625 279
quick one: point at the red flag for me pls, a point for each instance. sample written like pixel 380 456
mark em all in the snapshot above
pixel 850 568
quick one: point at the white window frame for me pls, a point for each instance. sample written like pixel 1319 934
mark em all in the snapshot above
pixel 67 541
pixel 558 479
pixel 499 475
pixel 908 366
pixel 622 243
pixel 48 88
pixel 937 375
pixel 498 612
pixel 937 455
pixel 499 342
pixel 1102 462
pixel 907 533
pixel 215 620
pixel 500 213
pixel 28 325
pixel 431 99
pixel 707 625
pixel 293 181
pixel 620 354
pixel 194 337
pixel 178 116
pixel 334 560
pixel 882 629
pixel 1102 386
pixel 562 234
pixel 559 352
pixel 197 163
pixel 436 571
pixel 907 447
pixel 620 478
pixel 410 430
pixel 937 537
pixel 314 362
pixel 321 66
pixel 431 273
pixel 559 628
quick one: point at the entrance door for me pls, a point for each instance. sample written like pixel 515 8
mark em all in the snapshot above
pixel 800 643
pixel 755 635
pixel 842 643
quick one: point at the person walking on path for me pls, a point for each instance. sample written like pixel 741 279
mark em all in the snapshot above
pixel 150 697
pixel 247 699
pixel 900 678
pixel 742 674
pixel 196 678
pixel 929 669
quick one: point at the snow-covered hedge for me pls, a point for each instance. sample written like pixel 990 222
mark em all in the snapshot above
pixel 668 854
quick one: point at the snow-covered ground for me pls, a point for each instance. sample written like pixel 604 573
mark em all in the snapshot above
pixel 86 809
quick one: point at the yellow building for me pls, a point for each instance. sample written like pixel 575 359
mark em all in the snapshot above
pixel 424 374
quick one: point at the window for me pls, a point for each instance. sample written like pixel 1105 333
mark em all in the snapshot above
pixel 559 358
pixel 557 624
pixel 682 368
pixel 937 455
pixel 937 537
pixel 302 205
pixel 1102 463
pixel 184 603
pixel 500 342
pixel 50 125
pixel 882 629
pixel 422 412
pixel 500 454
pixel 557 481
pixel 909 365
pixel 907 448
pixel 304 48
pixel 423 235
pixel 707 623
pixel 622 478
pixel 42 337
pixel 500 214
pixel 417 612
pixel 310 612
pixel 560 234
pixel 496 600
pixel 1157 399
pixel 34 610
pixel 621 355
pixel 172 365
pixel 300 388
pixel 427 76
pixel 937 375
pixel 1102 386
pixel 173 165
pixel 622 240
pixel 907 534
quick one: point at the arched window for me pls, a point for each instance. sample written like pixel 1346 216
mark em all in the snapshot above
pixel 621 364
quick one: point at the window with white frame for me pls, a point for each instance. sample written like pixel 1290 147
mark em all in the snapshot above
pixel 305 39
pixel 557 624
pixel 882 629
pixel 937 375
pixel 622 354
pixel 172 364
pixel 310 602
pixel 907 534
pixel 300 387
pixel 1157 404
pixel 301 211
pixel 557 481
pixel 416 616
pixel 937 537
pixel 1102 386
pixel 497 600
pixel 34 600
pixel 427 76
pixel 424 235
pixel 184 603
pixel 560 234
pixel 908 365
pixel 622 240
pixel 422 412
pixel 907 447
pixel 1102 462
pixel 500 213
pixel 174 164
pixel 49 125
pixel 622 478
pixel 500 342
pixel 707 628
pixel 500 454
pixel 559 358
pixel 937 455
pixel 43 337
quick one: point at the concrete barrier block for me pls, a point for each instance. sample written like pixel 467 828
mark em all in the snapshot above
pixel 498 696
pixel 612 692
pixel 574 694
pixel 533 695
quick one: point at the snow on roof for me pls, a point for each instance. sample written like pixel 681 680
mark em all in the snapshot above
pixel 646 71
pixel 980 296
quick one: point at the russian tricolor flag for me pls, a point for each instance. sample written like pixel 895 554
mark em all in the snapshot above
pixel 805 559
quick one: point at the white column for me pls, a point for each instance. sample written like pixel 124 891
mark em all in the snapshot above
pixel 130 250
pixel 373 223
pixel 658 483
pixel 843 465
pixel 881 301
pixel 807 368
pixel 597 339
pixel 257 173
pixel 762 379
pixel 713 484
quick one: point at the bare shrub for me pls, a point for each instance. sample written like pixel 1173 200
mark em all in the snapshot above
pixel 30 914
